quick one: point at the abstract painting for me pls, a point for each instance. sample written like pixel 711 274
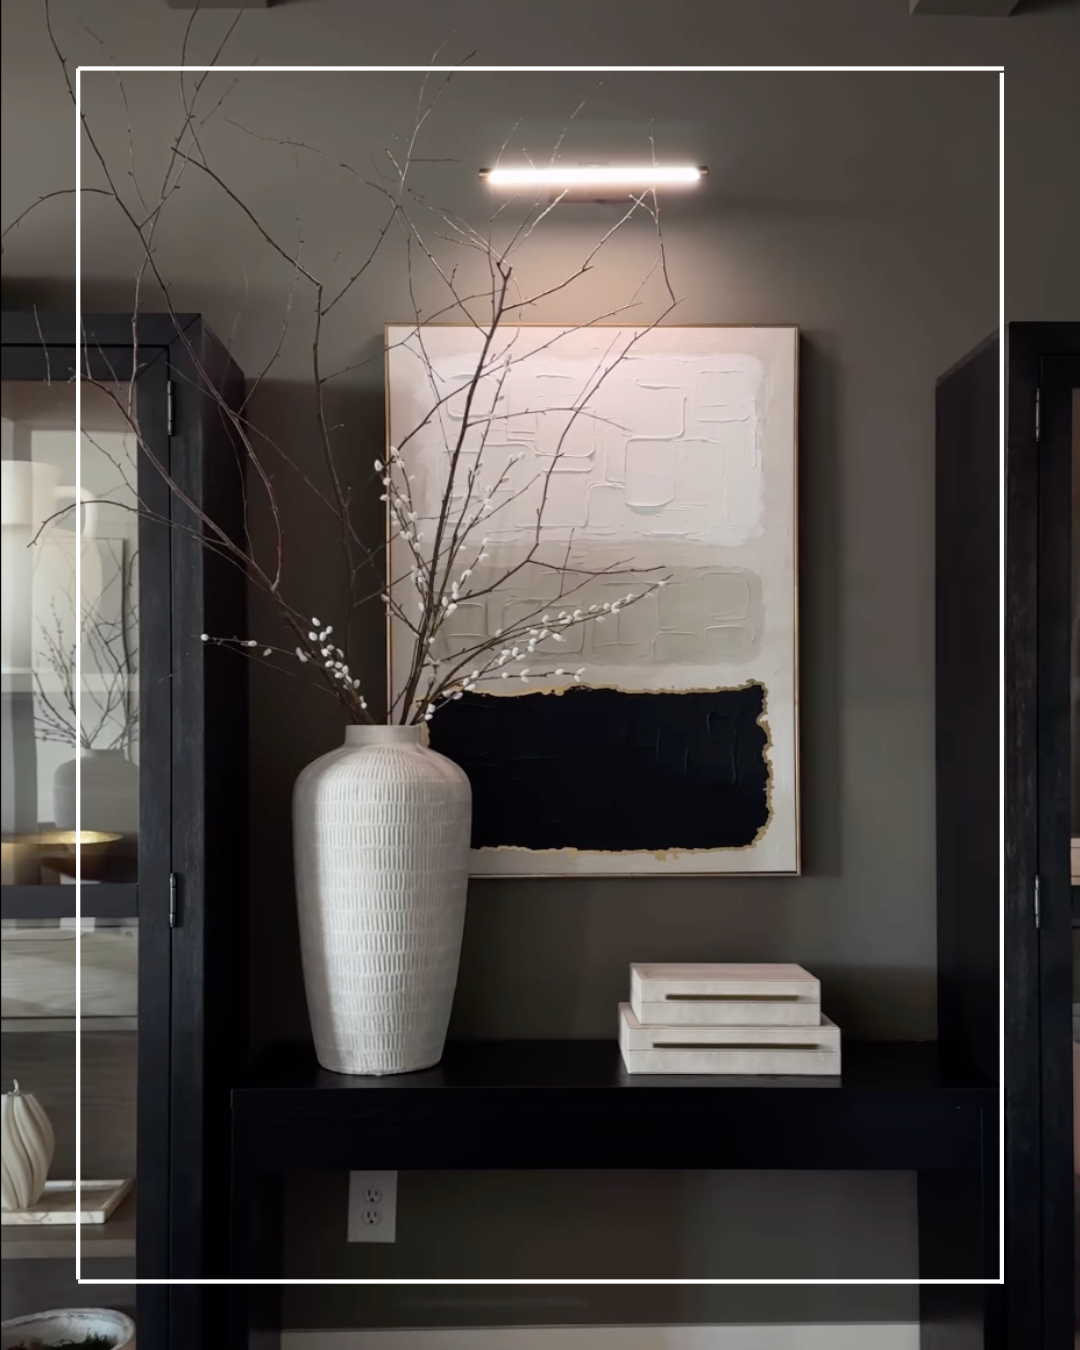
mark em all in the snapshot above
pixel 634 456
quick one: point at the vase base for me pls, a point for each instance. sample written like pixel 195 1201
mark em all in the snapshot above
pixel 377 1073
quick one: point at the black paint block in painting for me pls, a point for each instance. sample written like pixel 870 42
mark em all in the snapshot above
pixel 608 771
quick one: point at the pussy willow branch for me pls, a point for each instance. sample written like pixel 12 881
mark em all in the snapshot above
pixel 434 591
pixel 433 613
pixel 212 535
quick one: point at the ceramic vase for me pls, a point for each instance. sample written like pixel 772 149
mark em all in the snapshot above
pixel 26 1149
pixel 381 847
pixel 70 1326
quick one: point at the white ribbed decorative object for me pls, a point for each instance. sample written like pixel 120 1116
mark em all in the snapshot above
pixel 381 842
pixel 26 1149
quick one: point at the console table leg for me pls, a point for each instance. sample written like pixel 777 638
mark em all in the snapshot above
pixel 952 1226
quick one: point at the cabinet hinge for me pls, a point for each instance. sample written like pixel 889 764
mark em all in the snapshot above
pixel 1038 413
pixel 173 908
pixel 170 408
pixel 1038 912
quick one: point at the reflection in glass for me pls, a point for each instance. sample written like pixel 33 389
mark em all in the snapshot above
pixel 47 738
pixel 1074 686
pixel 37 1006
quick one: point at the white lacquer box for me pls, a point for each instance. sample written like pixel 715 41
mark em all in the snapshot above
pixel 725 996
pixel 728 1050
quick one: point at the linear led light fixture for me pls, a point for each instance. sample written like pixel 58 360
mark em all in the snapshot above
pixel 598 175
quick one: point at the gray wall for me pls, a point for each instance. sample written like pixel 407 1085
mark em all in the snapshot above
pixel 600 1305
pixel 861 206
pixel 823 1336
pixel 659 1225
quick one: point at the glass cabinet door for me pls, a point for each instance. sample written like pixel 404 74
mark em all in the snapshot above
pixel 69 714
pixel 70 637
pixel 1074 821
pixel 1074 672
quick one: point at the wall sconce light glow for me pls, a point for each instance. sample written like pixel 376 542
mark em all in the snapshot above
pixel 598 175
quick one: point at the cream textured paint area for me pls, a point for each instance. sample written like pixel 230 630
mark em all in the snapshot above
pixel 381 843
pixel 664 453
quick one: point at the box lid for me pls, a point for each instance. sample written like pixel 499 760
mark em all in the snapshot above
pixel 687 979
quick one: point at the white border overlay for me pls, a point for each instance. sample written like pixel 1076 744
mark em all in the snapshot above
pixel 533 70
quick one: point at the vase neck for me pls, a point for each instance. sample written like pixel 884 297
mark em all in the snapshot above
pixel 380 735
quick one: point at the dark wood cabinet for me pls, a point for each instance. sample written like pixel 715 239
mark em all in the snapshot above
pixel 967 702
pixel 166 867
pixel 1005 896
pixel 1043 368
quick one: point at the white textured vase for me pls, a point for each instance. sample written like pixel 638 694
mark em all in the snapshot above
pixel 381 846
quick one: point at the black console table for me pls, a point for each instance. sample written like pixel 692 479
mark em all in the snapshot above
pixel 567 1104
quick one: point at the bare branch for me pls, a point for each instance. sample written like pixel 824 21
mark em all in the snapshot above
pixel 47 197
pixel 434 561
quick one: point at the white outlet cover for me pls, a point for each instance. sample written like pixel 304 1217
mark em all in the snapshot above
pixel 372 1207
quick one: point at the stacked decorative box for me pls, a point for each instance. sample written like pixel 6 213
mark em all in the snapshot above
pixel 761 1019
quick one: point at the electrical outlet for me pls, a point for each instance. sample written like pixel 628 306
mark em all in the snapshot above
pixel 372 1206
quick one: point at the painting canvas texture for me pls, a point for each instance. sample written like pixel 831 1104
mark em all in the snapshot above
pixel 677 751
